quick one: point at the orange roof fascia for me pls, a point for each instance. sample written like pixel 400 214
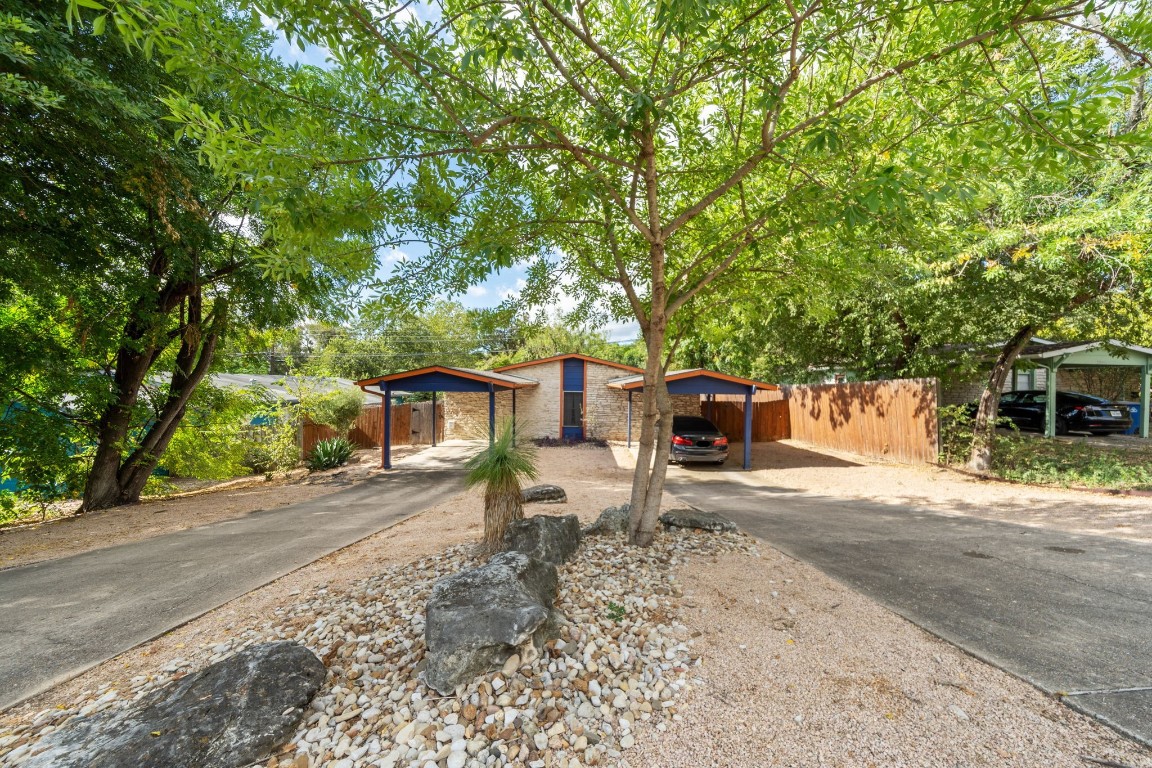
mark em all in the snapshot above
pixel 555 358
pixel 707 374
pixel 442 369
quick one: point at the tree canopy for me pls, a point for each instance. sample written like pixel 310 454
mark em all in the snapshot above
pixel 125 261
pixel 640 151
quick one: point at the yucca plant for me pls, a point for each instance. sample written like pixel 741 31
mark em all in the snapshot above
pixel 500 468
pixel 330 453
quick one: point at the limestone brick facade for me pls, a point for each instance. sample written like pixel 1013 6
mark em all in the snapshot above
pixel 538 408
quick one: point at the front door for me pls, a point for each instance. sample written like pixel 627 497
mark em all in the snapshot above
pixel 572 404
pixel 573 415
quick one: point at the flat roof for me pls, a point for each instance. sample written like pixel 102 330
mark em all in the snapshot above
pixel 1045 350
pixel 637 382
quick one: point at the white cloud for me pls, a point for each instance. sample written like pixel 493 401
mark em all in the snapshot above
pixel 477 290
pixel 394 256
pixel 514 291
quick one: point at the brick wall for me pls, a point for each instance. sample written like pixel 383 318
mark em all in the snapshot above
pixel 960 393
pixel 537 408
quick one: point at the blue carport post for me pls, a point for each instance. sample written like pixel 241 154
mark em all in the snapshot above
pixel 433 418
pixel 387 406
pixel 629 419
pixel 491 414
pixel 748 427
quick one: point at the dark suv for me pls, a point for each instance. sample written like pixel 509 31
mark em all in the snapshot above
pixel 1075 412
pixel 697 440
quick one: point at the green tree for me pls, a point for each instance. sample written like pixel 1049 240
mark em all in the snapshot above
pixel 124 260
pixel 643 151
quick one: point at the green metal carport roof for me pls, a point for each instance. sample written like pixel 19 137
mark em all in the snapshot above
pixel 1090 354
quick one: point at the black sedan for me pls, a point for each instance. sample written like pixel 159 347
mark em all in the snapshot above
pixel 1075 412
pixel 697 440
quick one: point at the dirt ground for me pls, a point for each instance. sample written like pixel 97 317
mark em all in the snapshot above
pixel 793 466
pixel 64 536
pixel 796 669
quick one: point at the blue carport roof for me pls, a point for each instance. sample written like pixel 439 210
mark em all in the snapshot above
pixel 442 378
pixel 696 381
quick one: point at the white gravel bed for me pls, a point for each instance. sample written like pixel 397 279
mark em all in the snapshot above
pixel 621 664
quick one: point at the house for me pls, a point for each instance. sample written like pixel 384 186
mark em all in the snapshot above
pixel 571 397
pixel 568 398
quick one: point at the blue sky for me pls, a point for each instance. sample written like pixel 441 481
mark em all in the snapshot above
pixel 497 288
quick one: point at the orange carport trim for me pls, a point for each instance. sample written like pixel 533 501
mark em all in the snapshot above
pixel 634 383
pixel 477 376
pixel 556 358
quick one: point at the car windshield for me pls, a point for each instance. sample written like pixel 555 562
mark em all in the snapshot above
pixel 692 424
pixel 1080 398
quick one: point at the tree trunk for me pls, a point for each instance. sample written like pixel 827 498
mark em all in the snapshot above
pixel 501 507
pixel 192 363
pixel 984 428
pixel 114 480
pixel 655 441
pixel 102 487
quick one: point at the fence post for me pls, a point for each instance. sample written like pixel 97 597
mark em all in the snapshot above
pixel 748 427
pixel 387 406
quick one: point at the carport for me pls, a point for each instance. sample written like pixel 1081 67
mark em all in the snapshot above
pixel 700 381
pixel 440 378
pixel 1092 354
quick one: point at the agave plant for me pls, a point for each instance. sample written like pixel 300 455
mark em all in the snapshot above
pixel 330 453
pixel 500 468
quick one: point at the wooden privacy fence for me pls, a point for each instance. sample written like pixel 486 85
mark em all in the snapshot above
pixel 411 425
pixel 894 419
pixel 770 420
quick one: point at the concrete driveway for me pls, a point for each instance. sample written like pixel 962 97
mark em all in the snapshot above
pixel 61 617
pixel 1071 614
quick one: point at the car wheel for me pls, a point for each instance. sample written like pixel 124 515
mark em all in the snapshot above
pixel 1061 425
pixel 721 462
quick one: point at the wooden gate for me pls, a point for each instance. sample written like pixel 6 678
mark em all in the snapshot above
pixel 411 425
pixel 420 423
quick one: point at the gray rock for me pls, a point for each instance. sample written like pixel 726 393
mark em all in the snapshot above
pixel 544 494
pixel 232 713
pixel 694 518
pixel 547 538
pixel 477 619
pixel 611 520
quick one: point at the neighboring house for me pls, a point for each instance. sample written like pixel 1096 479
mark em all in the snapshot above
pixel 566 396
pixel 285 389
pixel 1111 369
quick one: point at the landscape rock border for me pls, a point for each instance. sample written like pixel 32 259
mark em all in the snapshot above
pixel 622 663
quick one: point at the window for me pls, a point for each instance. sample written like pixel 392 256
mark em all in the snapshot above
pixel 573 409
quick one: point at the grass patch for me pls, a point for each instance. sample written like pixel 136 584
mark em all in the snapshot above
pixel 1048 462
pixel 1031 459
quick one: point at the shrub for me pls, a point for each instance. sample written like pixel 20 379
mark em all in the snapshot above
pixel 337 409
pixel 499 468
pixel 209 444
pixel 553 442
pixel 330 453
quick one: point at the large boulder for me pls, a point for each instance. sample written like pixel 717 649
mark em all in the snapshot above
pixel 544 494
pixel 232 713
pixel 477 619
pixel 611 520
pixel 695 518
pixel 551 539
